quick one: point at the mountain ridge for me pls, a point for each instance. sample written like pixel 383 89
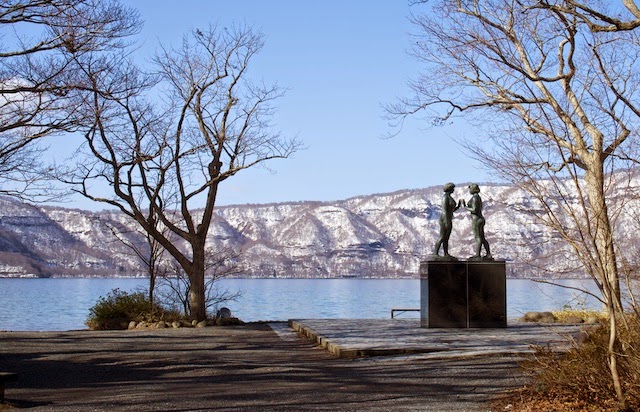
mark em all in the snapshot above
pixel 383 235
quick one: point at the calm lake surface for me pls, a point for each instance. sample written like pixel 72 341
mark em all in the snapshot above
pixel 63 304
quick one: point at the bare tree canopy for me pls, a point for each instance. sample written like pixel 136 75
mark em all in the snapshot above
pixel 164 142
pixel 522 62
pixel 40 41
pixel 597 15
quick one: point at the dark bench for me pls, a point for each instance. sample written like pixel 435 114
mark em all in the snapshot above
pixel 6 377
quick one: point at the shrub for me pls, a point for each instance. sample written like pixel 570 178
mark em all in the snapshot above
pixel 580 380
pixel 118 308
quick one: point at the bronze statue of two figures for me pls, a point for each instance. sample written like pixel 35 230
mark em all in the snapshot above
pixel 463 294
pixel 474 206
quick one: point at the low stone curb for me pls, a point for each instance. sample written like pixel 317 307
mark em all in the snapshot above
pixel 350 339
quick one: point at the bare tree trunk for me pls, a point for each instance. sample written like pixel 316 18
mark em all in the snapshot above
pixel 603 237
pixel 197 290
pixel 614 344
pixel 152 282
pixel 197 306
pixel 608 267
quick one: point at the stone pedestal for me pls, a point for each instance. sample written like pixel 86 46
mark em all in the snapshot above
pixel 463 294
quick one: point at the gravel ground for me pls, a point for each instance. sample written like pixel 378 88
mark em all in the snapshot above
pixel 248 367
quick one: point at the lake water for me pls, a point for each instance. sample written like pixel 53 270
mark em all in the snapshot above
pixel 63 304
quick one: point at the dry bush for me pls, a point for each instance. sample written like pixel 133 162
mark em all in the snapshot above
pixel 580 380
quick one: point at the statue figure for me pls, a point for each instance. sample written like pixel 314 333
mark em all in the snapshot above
pixel 477 222
pixel 446 220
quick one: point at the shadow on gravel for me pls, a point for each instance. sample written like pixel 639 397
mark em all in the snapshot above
pixel 246 367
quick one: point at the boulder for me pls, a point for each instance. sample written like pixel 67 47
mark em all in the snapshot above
pixel 223 313
pixel 132 325
pixel 542 317
pixel 176 324
pixel 201 324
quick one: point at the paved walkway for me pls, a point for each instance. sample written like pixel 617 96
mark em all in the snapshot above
pixel 352 338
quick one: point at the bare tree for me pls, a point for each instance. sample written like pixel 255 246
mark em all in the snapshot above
pixel 556 85
pixel 40 41
pixel 164 143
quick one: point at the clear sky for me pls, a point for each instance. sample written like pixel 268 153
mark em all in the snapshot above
pixel 340 61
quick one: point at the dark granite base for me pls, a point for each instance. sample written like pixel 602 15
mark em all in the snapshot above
pixel 463 294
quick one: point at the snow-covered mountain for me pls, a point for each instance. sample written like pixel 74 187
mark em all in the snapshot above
pixel 381 235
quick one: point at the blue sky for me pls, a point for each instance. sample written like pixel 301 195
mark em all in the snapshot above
pixel 340 61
